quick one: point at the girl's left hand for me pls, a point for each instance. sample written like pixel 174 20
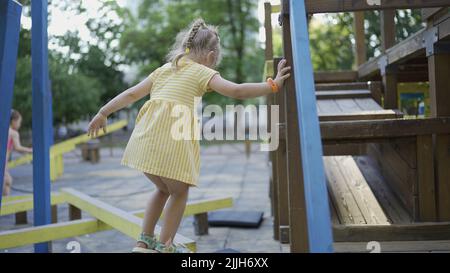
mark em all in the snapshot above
pixel 97 123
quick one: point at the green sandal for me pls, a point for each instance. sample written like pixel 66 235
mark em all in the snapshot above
pixel 149 241
pixel 180 248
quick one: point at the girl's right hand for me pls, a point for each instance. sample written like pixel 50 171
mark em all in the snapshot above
pixel 97 123
pixel 283 73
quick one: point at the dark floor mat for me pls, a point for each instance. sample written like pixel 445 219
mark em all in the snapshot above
pixel 242 219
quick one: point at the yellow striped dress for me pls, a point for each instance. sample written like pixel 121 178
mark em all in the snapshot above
pixel 152 148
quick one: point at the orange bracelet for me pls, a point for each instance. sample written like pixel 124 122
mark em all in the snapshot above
pixel 273 85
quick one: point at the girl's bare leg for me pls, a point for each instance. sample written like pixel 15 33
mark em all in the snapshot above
pixel 154 207
pixel 174 210
pixel 7 183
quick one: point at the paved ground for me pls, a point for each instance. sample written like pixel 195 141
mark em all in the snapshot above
pixel 225 172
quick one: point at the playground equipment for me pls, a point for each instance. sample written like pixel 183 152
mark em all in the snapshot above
pixel 106 217
pixel 57 151
pixel 43 203
pixel 388 177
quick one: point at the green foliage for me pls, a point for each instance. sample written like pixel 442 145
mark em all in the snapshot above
pixel 332 41
pixel 151 32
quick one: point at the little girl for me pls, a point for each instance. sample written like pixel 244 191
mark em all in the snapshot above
pixel 173 165
pixel 13 145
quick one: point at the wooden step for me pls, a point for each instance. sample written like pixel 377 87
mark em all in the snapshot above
pixel 342 86
pixel 343 94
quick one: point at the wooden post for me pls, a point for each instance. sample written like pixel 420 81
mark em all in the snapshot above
pixel 316 194
pixel 54 214
pixel 268 28
pixel 22 218
pixel 41 118
pixel 275 181
pixel 299 242
pixel 283 196
pixel 10 13
pixel 74 213
pixel 360 38
pixel 439 71
pixel 201 224
pixel 425 175
pixel 390 73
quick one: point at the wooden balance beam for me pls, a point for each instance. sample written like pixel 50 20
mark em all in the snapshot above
pixel 78 227
pixel 57 151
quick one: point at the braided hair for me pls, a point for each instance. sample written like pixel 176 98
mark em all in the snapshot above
pixel 198 39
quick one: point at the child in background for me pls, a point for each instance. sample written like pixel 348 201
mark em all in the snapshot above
pixel 13 145
pixel 173 165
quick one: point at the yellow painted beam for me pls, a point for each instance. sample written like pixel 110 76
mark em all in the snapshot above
pixel 26 204
pixel 198 207
pixel 68 145
pixel 124 222
pixel 47 233
pixel 34 235
pixel 15 198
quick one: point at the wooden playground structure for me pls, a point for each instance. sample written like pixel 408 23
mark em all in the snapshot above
pixel 48 159
pixel 383 178
pixel 387 176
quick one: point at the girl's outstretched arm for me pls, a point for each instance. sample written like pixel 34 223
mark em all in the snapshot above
pixel 17 145
pixel 126 98
pixel 249 90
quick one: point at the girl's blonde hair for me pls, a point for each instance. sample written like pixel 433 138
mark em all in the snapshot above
pixel 198 39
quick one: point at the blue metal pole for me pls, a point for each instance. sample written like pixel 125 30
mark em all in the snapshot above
pixel 41 118
pixel 10 14
pixel 316 196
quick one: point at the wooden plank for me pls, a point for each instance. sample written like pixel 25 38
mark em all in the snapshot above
pixel 52 232
pixel 425 176
pixel 341 196
pixel 344 94
pixel 376 91
pixel 68 145
pixel 199 206
pixel 442 149
pixel 401 184
pixel 124 222
pixel 10 15
pixel 362 115
pixel 335 76
pixel 428 13
pixel 384 129
pixel 409 232
pixel 27 236
pixel 22 205
pixel 388 201
pixel 348 106
pixel 360 38
pixel 396 247
pixel 342 86
pixel 328 106
pixel 317 208
pixel 299 242
pixel 364 197
pixel 345 149
pixel 369 105
pixel 323 6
